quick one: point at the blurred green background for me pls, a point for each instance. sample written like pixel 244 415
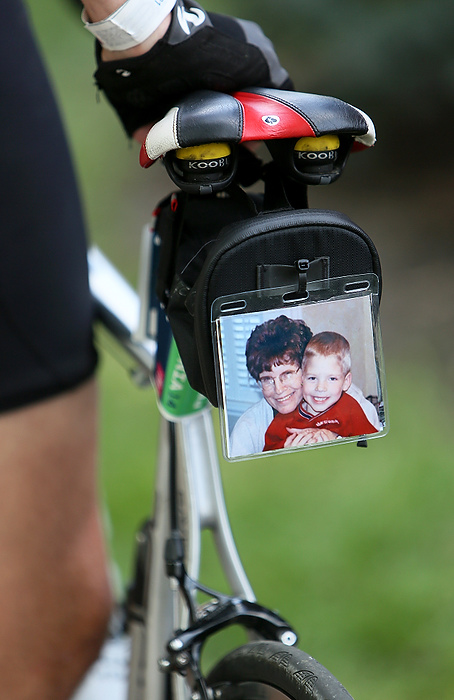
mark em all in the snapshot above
pixel 355 547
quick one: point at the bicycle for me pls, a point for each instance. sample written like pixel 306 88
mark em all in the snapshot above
pixel 166 622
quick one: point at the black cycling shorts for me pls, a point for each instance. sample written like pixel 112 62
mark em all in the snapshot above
pixel 45 308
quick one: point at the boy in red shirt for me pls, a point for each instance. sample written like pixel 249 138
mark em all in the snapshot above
pixel 326 377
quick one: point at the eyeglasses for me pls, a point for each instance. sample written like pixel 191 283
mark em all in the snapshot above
pixel 287 378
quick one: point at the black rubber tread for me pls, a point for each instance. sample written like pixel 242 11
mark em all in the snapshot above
pixel 289 670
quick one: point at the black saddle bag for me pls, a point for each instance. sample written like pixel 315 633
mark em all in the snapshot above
pixel 216 246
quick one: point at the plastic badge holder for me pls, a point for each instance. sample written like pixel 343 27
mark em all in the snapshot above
pixel 345 306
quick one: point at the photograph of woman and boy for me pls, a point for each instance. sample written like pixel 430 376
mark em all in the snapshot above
pixel 325 376
pixel 308 395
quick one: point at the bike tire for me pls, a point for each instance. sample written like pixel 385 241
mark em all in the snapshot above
pixel 266 670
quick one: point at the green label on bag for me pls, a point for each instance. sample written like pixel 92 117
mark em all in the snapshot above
pixel 178 398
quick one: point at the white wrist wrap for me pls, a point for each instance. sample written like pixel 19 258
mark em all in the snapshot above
pixel 131 24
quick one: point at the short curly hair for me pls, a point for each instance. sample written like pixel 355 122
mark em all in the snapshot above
pixel 280 341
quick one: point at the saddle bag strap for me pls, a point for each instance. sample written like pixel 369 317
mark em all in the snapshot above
pixel 296 275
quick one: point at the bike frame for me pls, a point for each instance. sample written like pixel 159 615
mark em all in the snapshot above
pixel 166 627
pixel 166 622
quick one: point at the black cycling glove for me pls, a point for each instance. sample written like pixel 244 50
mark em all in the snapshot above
pixel 199 51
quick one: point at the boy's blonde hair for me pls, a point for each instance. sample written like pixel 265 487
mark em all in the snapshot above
pixel 329 343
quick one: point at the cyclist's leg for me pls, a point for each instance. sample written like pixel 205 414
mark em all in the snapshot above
pixel 54 590
pixel 53 584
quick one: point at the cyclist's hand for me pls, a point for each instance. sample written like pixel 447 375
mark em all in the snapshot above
pixel 198 51
pixel 308 436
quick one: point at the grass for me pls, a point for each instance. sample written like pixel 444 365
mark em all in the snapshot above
pixel 355 547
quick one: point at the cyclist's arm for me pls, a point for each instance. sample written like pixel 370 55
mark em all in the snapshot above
pixel 189 49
